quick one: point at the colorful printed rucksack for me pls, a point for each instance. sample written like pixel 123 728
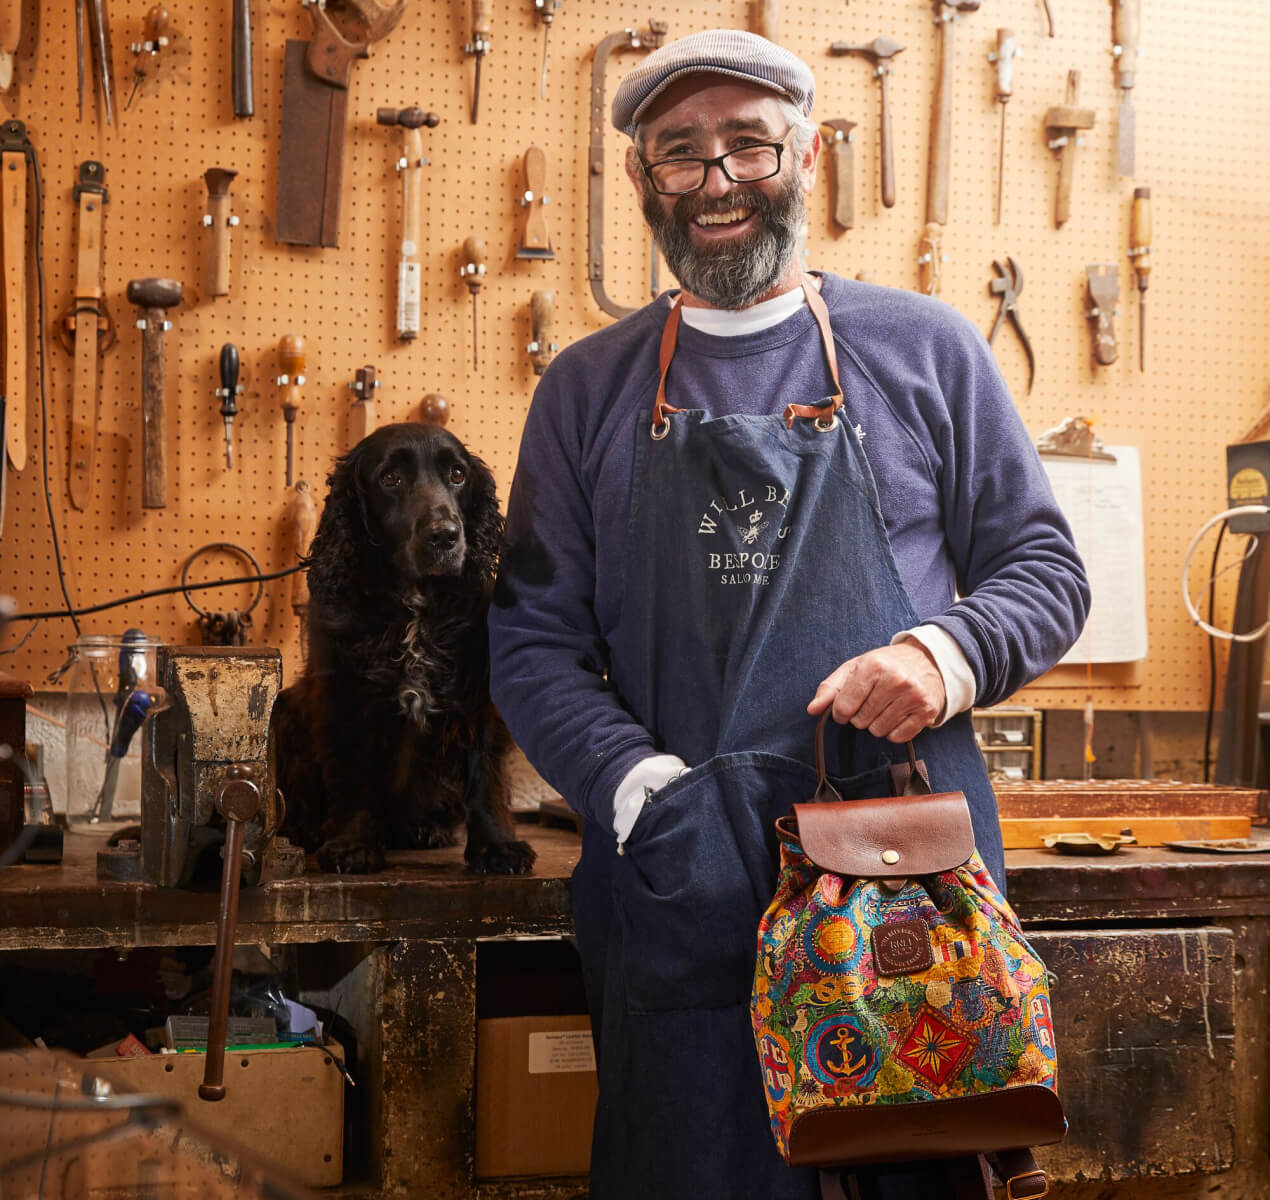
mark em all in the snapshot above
pixel 898 1011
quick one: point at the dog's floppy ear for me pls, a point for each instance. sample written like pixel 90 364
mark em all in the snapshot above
pixel 336 570
pixel 484 520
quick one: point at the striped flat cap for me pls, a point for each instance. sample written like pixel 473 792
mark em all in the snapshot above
pixel 735 52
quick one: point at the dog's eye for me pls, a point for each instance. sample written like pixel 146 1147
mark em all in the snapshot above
pixel 457 473
pixel 391 479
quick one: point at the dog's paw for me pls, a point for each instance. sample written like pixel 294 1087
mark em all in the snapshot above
pixel 341 856
pixel 501 858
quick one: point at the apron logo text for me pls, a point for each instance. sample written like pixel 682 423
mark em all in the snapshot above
pixel 745 566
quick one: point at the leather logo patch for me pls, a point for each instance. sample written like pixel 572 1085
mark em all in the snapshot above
pixel 902 948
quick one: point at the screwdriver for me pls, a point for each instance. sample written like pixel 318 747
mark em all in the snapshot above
pixel 291 357
pixel 545 11
pixel 1140 254
pixel 228 392
pixel 473 271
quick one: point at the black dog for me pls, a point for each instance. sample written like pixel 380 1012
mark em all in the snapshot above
pixel 389 739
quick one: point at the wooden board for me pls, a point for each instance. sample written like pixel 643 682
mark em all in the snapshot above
pixel 1027 833
pixel 1118 797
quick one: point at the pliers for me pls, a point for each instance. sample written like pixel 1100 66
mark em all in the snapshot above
pixel 1008 286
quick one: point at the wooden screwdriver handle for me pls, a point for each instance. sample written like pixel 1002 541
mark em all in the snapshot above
pixel 218 180
pixel 480 20
pixel 1140 235
pixel 474 262
pixel 292 359
pixel 1125 26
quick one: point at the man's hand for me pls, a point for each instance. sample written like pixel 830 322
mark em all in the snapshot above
pixel 894 692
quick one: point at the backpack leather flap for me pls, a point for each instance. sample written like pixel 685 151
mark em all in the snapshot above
pixel 892 837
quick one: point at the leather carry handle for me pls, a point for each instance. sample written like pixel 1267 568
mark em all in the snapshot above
pixel 907 779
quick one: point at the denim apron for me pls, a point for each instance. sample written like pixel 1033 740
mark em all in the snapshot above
pixel 760 562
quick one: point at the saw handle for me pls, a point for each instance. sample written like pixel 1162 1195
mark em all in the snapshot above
pixel 1125 26
pixel 154 297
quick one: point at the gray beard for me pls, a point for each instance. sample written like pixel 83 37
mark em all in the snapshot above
pixel 736 275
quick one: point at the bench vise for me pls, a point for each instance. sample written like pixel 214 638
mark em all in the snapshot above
pixel 207 741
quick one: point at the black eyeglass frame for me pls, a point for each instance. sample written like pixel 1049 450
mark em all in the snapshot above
pixel 720 162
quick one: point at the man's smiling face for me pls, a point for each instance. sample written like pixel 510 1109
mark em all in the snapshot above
pixel 729 244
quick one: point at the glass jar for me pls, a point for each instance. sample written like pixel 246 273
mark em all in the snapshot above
pixel 110 692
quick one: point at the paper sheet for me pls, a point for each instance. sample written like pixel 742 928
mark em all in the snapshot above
pixel 1103 502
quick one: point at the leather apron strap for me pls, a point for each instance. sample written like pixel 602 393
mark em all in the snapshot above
pixel 822 414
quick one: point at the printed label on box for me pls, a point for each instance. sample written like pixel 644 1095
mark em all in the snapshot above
pixel 568 1050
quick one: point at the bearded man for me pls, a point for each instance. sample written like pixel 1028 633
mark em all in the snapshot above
pixel 768 494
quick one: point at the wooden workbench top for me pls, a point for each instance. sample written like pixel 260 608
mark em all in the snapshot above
pixel 431 894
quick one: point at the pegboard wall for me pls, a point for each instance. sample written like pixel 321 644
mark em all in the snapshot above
pixel 1203 104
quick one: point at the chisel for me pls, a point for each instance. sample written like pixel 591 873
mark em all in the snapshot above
pixel 1140 256
pixel 478 47
pixel 1124 35
pixel 229 391
pixel 292 358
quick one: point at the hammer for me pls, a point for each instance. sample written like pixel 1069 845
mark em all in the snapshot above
pixel 946 12
pixel 152 296
pixel 877 52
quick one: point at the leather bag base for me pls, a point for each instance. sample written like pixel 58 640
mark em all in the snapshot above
pixel 1028 1115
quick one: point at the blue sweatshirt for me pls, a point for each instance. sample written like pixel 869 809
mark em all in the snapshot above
pixel 978 539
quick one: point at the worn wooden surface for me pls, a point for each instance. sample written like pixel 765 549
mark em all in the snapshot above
pixel 1161 1004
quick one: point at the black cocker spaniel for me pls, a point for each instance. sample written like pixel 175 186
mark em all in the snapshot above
pixel 389 739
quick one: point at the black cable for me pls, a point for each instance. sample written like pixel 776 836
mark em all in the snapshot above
pixel 1212 655
pixel 167 591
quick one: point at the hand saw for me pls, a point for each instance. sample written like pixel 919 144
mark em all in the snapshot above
pixel 314 114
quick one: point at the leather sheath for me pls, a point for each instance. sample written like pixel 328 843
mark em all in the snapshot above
pixel 13 221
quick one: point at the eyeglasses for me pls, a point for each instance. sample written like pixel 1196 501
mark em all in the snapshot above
pixel 749 164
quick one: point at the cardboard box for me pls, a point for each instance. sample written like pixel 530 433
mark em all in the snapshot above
pixel 535 1096
pixel 285 1105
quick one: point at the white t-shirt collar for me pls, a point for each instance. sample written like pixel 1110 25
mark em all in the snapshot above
pixel 725 322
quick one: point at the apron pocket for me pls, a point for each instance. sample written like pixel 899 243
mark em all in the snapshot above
pixel 698 871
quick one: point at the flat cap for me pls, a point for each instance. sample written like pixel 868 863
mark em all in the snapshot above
pixel 735 52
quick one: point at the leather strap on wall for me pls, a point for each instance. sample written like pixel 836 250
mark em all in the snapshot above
pixel 13 225
pixel 85 322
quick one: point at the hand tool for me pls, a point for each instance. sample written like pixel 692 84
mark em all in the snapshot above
pixel 219 220
pixel 229 391
pixel 1049 16
pixel 930 259
pixel 478 47
pixel 946 14
pixel 304 525
pixel 1003 58
pixel 435 409
pixel 410 167
pixel 1063 125
pixel 10 37
pixel 153 297
pixel 535 241
pixel 1125 26
pixel 363 386
pixel 81 33
pixel 244 100
pixel 132 703
pixel 292 358
pixel 472 271
pixel 838 140
pixel 542 312
pixel 87 330
pixel 100 42
pixel 545 11
pixel 1007 286
pixel 626 39
pixel 765 19
pixel 879 52
pixel 314 109
pixel 1103 284
pixel 15 145
pixel 154 40
pixel 1140 256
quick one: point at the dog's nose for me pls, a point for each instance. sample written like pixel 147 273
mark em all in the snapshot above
pixel 444 535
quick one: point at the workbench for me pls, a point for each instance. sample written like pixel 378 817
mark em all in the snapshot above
pixel 1161 1013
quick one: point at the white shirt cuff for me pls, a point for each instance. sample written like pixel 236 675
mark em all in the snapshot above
pixel 650 773
pixel 959 679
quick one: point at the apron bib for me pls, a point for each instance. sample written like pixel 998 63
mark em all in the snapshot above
pixel 759 563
